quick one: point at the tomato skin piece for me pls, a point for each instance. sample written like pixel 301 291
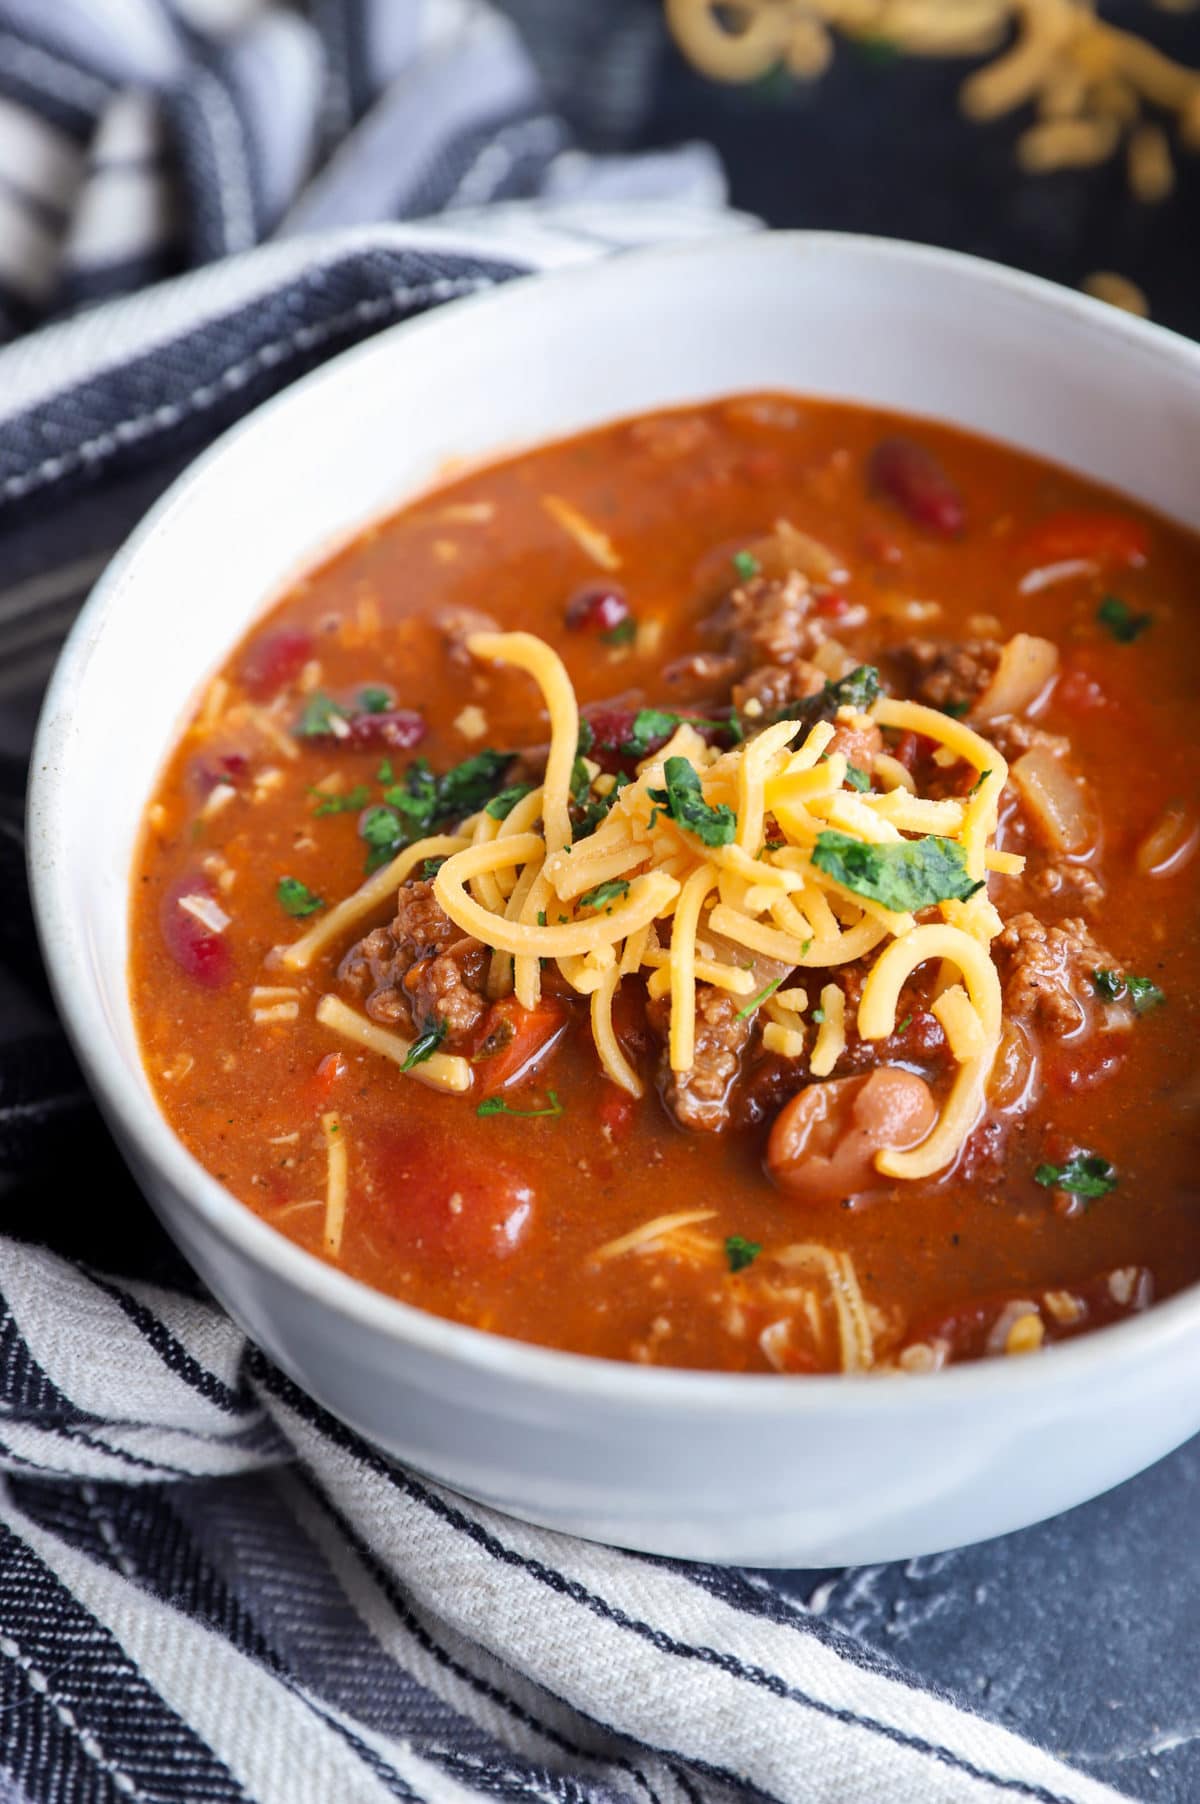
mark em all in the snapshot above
pixel 1082 533
pixel 909 475
pixel 200 953
pixel 525 1039
pixel 318 1088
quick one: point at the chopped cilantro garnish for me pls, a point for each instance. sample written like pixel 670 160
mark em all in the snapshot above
pixel 1084 1174
pixel 413 807
pixel 1118 618
pixel 374 700
pixel 496 1105
pixel 431 867
pixel 623 633
pixel 350 803
pixel 319 710
pixel 757 1001
pixel 684 802
pixel 979 782
pixel 741 1252
pixel 955 710
pixel 746 565
pixel 295 898
pixel 500 805
pixel 902 875
pixel 586 740
pixel 425 1045
pixel 541 918
pixel 1117 986
pixel 381 827
pixel 649 725
pixel 1144 994
pixel 384 773
pixel 907 1022
pixel 857 779
pixel 857 689
pixel 604 893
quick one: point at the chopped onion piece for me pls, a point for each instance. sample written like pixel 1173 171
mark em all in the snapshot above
pixel 1046 575
pixel 1026 665
pixel 1055 801
pixel 1170 843
pixel 208 912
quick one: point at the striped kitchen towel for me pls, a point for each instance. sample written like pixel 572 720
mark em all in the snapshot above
pixel 209 1589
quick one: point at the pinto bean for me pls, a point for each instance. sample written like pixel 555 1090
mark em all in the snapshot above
pixel 824 1141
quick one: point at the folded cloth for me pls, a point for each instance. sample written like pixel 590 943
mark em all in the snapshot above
pixel 209 1589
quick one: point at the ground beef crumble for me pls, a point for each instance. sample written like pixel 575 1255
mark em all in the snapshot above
pixel 700 1099
pixel 1047 972
pixel 420 969
pixel 946 675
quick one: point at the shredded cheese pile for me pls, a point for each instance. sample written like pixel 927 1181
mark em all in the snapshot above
pixel 684 912
pixel 1092 83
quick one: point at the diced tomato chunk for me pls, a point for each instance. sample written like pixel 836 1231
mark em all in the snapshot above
pixel 198 949
pixel 274 661
pixel 832 606
pixel 616 1112
pixel 319 1087
pixel 450 1200
pixel 515 1042
pixel 1079 533
pixel 600 608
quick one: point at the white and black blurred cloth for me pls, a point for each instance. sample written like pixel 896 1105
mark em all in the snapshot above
pixel 209 1590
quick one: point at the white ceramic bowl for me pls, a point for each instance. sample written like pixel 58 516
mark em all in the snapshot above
pixel 803 1471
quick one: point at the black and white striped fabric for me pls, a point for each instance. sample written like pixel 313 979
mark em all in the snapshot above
pixel 210 1590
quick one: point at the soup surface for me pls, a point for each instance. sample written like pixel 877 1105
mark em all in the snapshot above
pixel 861 1041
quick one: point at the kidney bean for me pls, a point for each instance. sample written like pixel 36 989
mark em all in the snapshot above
pixel 274 661
pixel 395 730
pixel 599 608
pixel 200 953
pixel 911 476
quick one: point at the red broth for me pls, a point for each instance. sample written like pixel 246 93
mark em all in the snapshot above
pixel 944 547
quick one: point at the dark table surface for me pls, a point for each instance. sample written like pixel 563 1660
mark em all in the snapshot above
pixel 1082 1632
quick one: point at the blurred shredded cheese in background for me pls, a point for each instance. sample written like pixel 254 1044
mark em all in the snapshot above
pixel 1090 83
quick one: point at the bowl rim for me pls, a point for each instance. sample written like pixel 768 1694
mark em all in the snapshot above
pixel 632 1387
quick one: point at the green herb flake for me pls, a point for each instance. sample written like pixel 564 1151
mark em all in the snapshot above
pixel 425 1045
pixel 586 740
pixel 757 1001
pixel 502 804
pixel 604 893
pixel 903 875
pixel 741 1252
pixel 623 633
pixel 818 1014
pixel 746 565
pixel 541 917
pixel 1084 1174
pixel 374 700
pixel 649 724
pixel 1122 986
pixel 381 827
pixel 1118 618
pixel 956 710
pixel 1144 994
pixel 979 782
pixel 857 779
pixel 684 801
pixel 907 1022
pixel 295 898
pixel 354 800
pixel 384 774
pixel 496 1105
pixel 466 788
pixel 320 710
pixel 431 867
